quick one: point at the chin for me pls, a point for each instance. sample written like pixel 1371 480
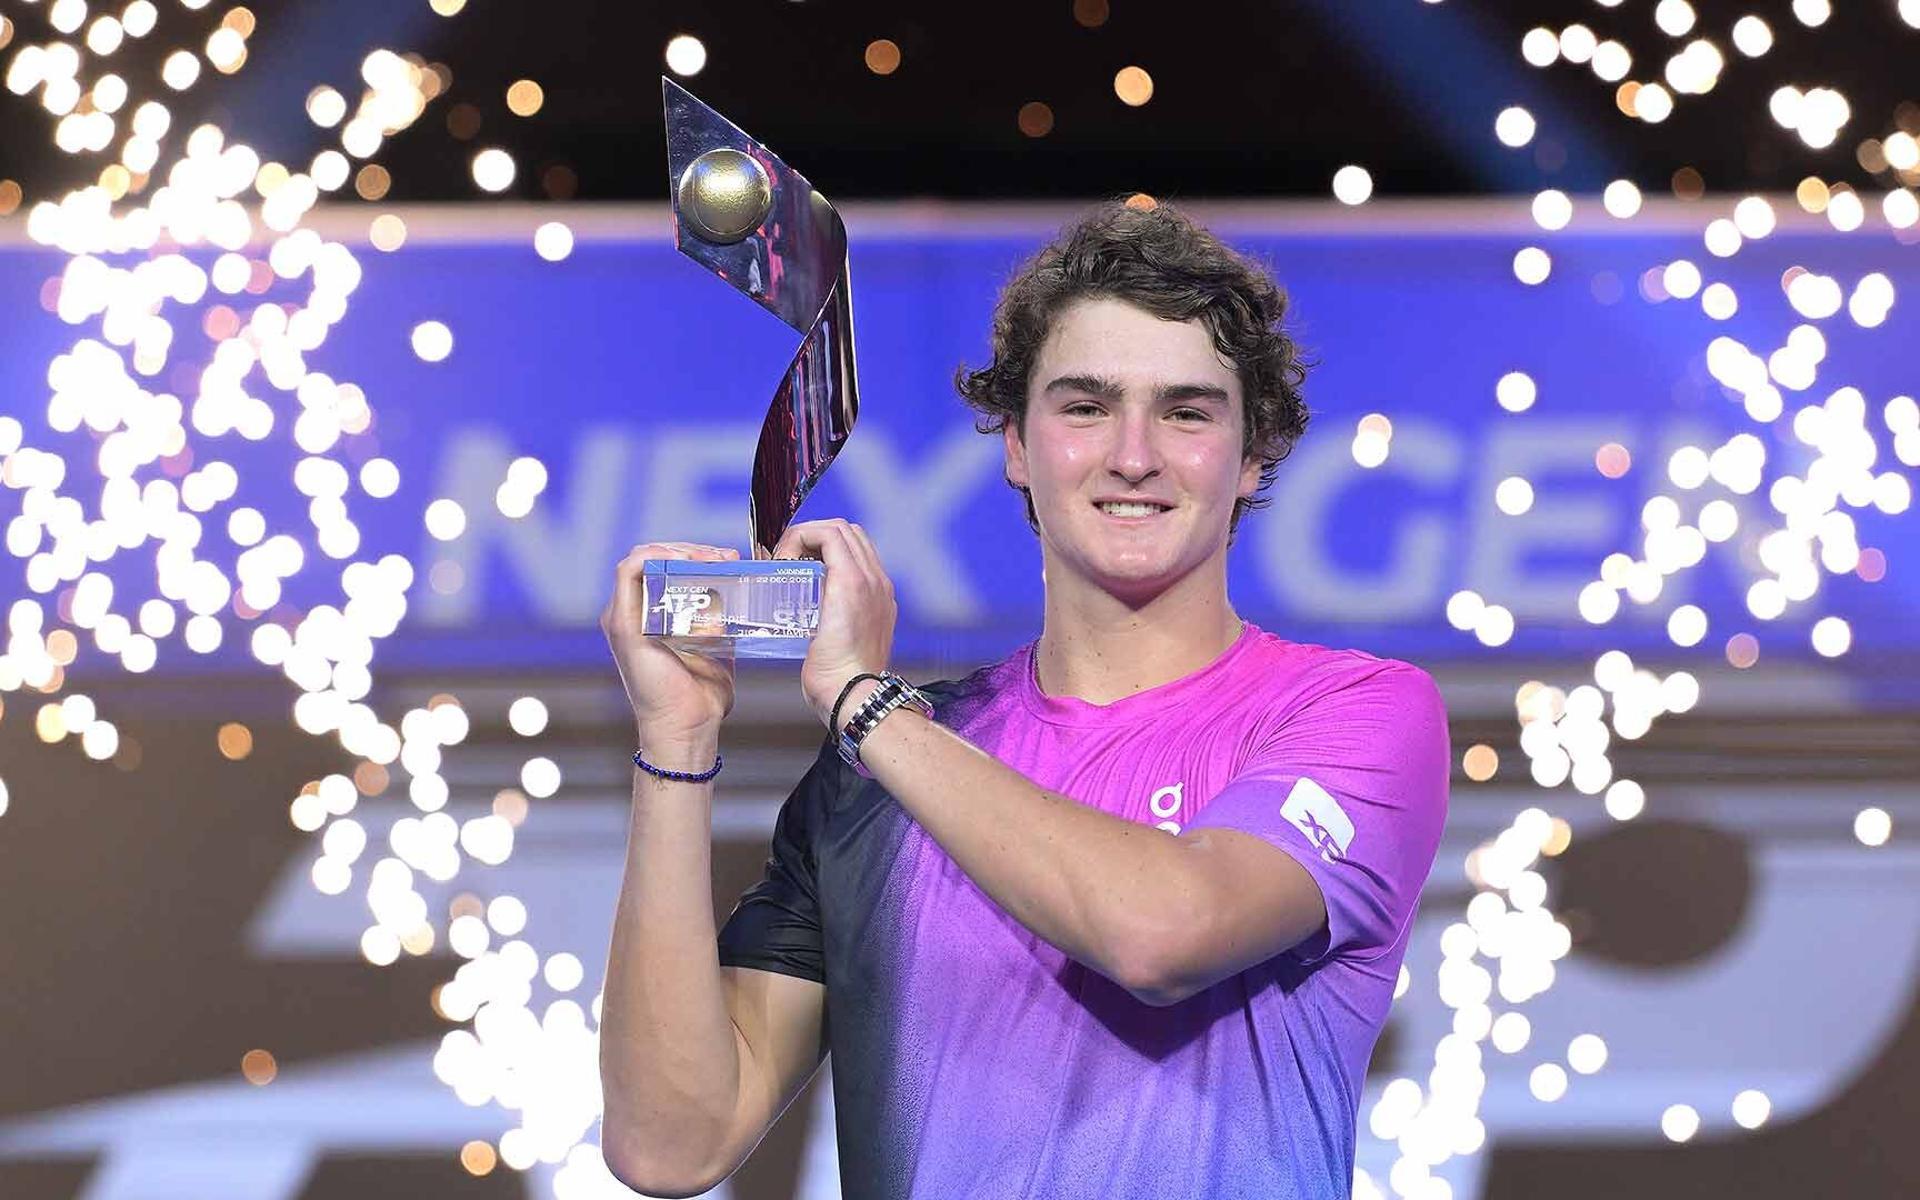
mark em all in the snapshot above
pixel 1136 573
pixel 1135 580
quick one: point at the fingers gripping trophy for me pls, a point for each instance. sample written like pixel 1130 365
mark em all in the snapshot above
pixel 681 613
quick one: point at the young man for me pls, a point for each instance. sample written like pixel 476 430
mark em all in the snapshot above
pixel 1123 916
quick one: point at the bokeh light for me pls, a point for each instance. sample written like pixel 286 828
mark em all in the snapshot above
pixel 686 55
pixel 882 56
pixel 1352 185
pixel 1133 86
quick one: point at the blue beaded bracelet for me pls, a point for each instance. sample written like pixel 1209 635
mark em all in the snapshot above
pixel 676 776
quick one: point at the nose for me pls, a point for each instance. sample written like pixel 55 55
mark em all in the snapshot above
pixel 1134 454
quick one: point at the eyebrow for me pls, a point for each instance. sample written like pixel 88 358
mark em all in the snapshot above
pixel 1109 389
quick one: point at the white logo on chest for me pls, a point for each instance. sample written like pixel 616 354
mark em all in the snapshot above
pixel 1165 804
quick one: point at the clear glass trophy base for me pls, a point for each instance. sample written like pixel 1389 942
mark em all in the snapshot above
pixel 755 608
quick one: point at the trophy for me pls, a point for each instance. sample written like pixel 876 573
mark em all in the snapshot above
pixel 758 224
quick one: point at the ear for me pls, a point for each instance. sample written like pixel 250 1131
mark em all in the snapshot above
pixel 1249 478
pixel 1016 467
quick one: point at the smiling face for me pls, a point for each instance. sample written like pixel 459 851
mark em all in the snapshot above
pixel 1123 406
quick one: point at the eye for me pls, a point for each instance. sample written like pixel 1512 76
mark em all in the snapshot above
pixel 1191 413
pixel 1080 406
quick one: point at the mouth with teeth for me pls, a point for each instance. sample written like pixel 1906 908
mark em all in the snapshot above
pixel 1136 511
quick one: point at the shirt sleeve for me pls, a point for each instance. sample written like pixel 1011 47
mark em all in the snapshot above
pixel 1354 787
pixel 776 924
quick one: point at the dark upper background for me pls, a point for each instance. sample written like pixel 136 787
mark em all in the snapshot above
pixel 1251 98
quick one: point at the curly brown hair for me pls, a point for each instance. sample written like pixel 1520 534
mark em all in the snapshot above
pixel 1153 256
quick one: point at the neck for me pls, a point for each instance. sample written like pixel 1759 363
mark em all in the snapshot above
pixel 1099 648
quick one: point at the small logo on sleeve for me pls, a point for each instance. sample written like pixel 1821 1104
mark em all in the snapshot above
pixel 1314 812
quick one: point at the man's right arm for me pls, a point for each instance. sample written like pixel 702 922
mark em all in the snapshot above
pixel 696 1060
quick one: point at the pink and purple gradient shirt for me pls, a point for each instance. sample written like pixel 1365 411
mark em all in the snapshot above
pixel 972 1059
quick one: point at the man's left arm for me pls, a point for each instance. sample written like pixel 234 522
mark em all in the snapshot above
pixel 1163 916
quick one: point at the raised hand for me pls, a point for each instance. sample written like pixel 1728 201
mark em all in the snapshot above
pixel 857 611
pixel 676 695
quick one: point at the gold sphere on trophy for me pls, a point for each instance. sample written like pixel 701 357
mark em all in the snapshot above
pixel 724 195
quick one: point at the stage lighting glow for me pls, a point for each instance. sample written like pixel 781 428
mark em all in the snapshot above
pixel 178 72
pixel 553 241
pixel 1832 636
pixel 1752 36
pixel 1812 194
pixel 1540 47
pixel 882 56
pixel 1680 1122
pixel 1494 627
pixel 1091 14
pixel 1845 211
pixel 1479 764
pixel 1901 208
pixel 1577 43
pixel 1812 13
pixel 1696 69
pixel 1035 119
pixel 1587 1053
pixel 1902 150
pixel 1814 296
pixel 1681 279
pixel 371 182
pixel 1611 61
pixel 467 936
pixel 432 341
pixel 1463 610
pixel 527 716
pixel 380 946
pixel 1516 391
pixel 1514 126
pixel 1352 185
pixel 1674 17
pixel 1687 625
pixel 1370 447
pixel 1548 1082
pixel 493 170
pixel 1751 1108
pixel 686 55
pixel 1753 217
pixel 1513 496
pixel 524 97
pixel 526 479
pixel 540 777
pixel 1719 301
pixel 1552 209
pixel 1398 1104
pixel 226 50
pixel 1621 199
pixel 1133 86
pixel 110 92
pixel 507 915
pixel 66 16
pixel 563 972
pixel 258 1067
pixel 1532 265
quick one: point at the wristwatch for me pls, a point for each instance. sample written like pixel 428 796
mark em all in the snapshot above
pixel 892 693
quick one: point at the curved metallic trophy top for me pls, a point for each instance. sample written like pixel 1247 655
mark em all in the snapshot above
pixel 758 224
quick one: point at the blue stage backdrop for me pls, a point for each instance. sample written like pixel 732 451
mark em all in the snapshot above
pixel 640 382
